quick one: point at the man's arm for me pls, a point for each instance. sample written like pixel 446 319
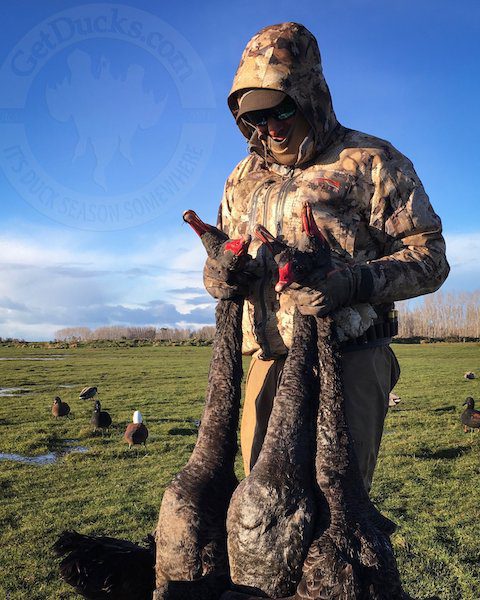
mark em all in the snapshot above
pixel 413 261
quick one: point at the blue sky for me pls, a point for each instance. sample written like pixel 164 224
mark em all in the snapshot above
pixel 114 120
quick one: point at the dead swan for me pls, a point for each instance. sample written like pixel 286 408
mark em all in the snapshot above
pixel 191 534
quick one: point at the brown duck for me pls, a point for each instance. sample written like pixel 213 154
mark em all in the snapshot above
pixel 191 534
pixel 60 408
pixel 136 432
pixel 470 417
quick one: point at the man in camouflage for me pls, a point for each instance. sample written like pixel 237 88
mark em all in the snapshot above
pixel 368 202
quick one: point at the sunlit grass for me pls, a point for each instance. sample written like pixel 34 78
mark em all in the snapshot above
pixel 427 479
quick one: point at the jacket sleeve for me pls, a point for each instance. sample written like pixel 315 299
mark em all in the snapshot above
pixel 414 261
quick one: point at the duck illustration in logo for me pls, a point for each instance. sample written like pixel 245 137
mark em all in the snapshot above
pixel 106 109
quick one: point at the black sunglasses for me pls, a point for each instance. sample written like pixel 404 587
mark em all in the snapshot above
pixel 259 118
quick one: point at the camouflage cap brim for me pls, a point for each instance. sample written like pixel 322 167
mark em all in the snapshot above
pixel 259 99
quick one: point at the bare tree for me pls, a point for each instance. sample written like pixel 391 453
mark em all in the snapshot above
pixel 441 315
pixel 73 334
pixel 141 333
pixel 205 333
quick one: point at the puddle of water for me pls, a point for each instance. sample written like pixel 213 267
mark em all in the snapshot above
pixel 15 391
pixel 43 459
pixel 50 357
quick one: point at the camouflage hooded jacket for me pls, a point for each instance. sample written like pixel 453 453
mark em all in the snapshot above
pixel 365 195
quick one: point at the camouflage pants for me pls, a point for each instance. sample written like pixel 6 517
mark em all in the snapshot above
pixel 368 377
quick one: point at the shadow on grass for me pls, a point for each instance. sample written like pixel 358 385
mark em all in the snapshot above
pixel 443 453
pixel 167 420
pixel 445 409
pixel 106 434
pixel 182 431
pixel 7 489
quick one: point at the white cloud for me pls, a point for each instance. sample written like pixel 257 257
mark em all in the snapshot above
pixel 24 331
pixel 49 281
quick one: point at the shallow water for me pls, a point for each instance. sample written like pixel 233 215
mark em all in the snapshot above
pixel 14 391
pixel 44 459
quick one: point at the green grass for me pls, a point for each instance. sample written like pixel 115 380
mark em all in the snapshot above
pixel 427 478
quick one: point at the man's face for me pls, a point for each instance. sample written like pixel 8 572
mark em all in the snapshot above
pixel 276 129
pixel 274 122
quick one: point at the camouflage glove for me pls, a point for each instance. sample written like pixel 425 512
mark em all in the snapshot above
pixel 341 287
pixel 223 284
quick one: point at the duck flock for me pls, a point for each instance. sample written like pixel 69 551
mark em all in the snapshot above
pixel 136 433
pixel 300 526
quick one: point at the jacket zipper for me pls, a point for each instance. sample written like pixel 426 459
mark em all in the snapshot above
pixel 282 196
pixel 253 208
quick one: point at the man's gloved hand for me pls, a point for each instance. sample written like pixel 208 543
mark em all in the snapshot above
pixel 222 283
pixel 341 287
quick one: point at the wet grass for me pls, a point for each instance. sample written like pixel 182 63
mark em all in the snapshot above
pixel 427 479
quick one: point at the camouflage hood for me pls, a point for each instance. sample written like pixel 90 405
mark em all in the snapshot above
pixel 286 57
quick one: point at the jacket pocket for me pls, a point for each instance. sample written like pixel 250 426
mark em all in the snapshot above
pixel 338 219
pixel 328 186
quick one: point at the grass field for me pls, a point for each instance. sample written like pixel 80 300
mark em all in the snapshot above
pixel 427 478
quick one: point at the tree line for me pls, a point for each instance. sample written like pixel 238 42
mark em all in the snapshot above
pixel 442 315
pixel 120 332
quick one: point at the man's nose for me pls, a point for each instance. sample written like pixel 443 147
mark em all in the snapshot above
pixel 276 128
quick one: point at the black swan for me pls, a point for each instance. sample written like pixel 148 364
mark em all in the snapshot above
pixel 60 408
pixel 470 417
pixel 88 392
pixel 271 517
pixel 352 558
pixel 191 535
pixel 136 432
pixel 104 568
pixel 100 418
